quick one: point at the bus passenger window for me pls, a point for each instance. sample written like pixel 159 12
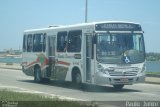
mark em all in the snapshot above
pixel 29 43
pixel 37 42
pixel 62 41
pixel 74 41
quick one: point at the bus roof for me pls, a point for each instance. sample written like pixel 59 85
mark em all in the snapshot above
pixel 51 27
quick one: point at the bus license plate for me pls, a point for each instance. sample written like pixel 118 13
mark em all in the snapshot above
pixel 124 79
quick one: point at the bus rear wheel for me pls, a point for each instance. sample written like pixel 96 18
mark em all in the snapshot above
pixel 37 75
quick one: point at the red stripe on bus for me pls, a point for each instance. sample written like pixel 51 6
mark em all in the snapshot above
pixel 63 63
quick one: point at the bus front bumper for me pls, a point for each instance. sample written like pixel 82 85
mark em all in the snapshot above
pixel 104 79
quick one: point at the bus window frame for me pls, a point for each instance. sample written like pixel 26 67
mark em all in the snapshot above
pixel 70 34
pixel 42 42
pixel 59 42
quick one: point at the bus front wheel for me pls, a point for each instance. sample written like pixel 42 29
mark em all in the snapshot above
pixel 76 79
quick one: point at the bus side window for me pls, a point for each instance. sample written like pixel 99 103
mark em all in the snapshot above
pixel 74 41
pixel 24 43
pixel 29 43
pixel 37 42
pixel 62 41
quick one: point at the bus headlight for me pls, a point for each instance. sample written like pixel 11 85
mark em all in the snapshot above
pixel 143 68
pixel 100 68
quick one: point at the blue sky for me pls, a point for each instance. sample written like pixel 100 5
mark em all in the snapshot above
pixel 19 15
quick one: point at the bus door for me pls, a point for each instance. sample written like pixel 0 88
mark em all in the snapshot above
pixel 51 56
pixel 88 56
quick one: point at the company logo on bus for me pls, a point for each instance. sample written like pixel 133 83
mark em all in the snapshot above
pixel 117 27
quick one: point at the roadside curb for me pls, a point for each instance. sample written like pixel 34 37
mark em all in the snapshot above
pixel 11 68
pixel 152 80
pixel 148 82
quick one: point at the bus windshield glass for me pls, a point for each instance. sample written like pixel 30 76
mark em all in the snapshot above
pixel 120 48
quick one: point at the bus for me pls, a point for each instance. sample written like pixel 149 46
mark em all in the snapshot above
pixel 98 53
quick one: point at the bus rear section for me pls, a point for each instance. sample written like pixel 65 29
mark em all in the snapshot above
pixel 35 61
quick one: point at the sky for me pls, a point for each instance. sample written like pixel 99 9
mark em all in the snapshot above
pixel 19 15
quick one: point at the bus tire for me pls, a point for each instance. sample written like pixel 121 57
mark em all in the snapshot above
pixel 37 75
pixel 77 79
pixel 118 87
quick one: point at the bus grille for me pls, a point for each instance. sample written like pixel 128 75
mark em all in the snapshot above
pixel 121 73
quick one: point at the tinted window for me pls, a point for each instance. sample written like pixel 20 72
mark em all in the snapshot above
pixel 74 41
pixel 61 41
pixel 39 42
pixel 120 48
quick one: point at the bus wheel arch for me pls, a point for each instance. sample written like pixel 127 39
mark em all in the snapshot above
pixel 76 75
pixel 37 74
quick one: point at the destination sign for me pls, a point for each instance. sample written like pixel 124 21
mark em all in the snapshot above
pixel 117 27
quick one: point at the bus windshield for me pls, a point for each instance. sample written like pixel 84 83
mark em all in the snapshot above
pixel 120 48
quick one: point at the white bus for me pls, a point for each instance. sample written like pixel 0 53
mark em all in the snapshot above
pixel 99 53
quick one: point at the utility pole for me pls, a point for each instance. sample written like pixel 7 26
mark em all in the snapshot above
pixel 86 11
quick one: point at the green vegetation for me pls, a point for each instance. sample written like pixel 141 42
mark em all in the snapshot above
pixel 16 96
pixel 153 56
pixel 17 99
pixel 153 73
